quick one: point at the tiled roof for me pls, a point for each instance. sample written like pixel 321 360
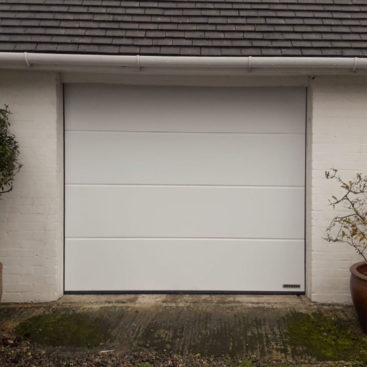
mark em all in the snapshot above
pixel 186 27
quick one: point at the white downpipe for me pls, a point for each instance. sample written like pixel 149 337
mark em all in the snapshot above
pixel 59 62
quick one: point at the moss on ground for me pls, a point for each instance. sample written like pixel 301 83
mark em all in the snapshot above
pixel 295 337
pixel 246 364
pixel 325 338
pixel 64 329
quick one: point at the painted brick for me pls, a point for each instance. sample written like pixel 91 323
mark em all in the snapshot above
pixel 31 223
pixel 31 231
pixel 337 129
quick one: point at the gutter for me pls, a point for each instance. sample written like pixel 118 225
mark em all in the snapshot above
pixel 60 62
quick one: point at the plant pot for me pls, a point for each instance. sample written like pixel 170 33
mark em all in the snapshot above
pixel 1 280
pixel 358 289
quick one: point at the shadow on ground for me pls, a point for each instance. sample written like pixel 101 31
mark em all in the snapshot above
pixel 182 334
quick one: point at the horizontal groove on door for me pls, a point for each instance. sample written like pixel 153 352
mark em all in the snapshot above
pixel 187 238
pixel 182 132
pixel 189 185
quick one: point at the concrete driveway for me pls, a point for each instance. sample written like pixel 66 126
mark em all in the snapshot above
pixel 181 330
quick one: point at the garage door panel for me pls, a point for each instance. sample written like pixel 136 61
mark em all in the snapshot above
pixel 187 109
pixel 174 264
pixel 182 211
pixel 184 188
pixel 176 158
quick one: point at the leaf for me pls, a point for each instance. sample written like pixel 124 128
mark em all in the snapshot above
pixel 9 153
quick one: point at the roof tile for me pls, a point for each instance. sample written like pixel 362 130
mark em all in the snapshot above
pixel 179 27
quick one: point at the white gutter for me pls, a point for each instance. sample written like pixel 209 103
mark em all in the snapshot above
pixel 61 62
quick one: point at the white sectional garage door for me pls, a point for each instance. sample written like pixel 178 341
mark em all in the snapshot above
pixel 184 189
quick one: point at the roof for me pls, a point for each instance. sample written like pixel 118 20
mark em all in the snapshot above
pixel 186 27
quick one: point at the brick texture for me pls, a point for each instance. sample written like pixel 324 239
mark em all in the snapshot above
pixel 31 223
pixel 337 132
pixel 31 220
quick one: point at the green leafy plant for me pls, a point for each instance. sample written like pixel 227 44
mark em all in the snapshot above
pixel 9 153
pixel 350 228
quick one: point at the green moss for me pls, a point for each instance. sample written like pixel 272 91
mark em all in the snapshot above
pixel 73 329
pixel 325 338
pixel 246 364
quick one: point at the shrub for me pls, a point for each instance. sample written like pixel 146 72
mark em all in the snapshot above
pixel 350 228
pixel 9 153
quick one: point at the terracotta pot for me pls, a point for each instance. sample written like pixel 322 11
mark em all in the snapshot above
pixel 358 288
pixel 1 280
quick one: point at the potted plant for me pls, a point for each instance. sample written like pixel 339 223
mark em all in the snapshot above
pixel 9 164
pixel 351 228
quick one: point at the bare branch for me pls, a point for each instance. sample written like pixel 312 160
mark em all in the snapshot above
pixel 352 227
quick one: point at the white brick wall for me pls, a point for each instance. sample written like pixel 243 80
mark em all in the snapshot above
pixel 31 222
pixel 337 128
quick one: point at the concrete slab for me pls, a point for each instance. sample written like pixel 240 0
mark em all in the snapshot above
pixel 263 330
pixel 185 299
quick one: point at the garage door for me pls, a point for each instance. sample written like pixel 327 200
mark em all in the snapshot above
pixel 184 189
